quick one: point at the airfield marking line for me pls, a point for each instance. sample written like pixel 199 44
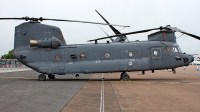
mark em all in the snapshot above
pixel 114 92
pixel 102 95
pixel 75 94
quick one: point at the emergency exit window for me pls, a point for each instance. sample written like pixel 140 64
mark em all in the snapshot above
pixel 156 53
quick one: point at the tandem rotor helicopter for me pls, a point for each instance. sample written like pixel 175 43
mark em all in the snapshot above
pixel 44 49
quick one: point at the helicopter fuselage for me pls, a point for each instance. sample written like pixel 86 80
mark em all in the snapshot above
pixel 104 57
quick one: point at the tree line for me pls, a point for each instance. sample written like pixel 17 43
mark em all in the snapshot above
pixel 9 55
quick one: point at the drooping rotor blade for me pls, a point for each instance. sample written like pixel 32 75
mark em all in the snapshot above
pixel 181 31
pixel 41 19
pixel 23 18
pixel 84 22
pixel 194 36
pixel 113 29
pixel 11 18
pixel 135 32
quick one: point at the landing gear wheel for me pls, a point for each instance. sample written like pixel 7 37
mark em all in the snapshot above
pixel 125 77
pixel 77 75
pixel 41 77
pixel 51 76
pixel 174 70
pixel 121 75
pixel 143 72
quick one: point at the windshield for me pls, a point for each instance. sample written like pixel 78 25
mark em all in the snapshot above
pixel 179 49
pixel 176 49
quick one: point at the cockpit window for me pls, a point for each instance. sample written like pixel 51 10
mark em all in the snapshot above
pixel 179 49
pixel 175 49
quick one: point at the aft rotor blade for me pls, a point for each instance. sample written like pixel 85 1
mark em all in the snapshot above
pixel 41 19
pixel 141 31
pixel 11 18
pixel 181 31
pixel 84 22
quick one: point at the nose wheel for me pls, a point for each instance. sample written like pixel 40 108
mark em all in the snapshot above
pixel 124 76
pixel 41 77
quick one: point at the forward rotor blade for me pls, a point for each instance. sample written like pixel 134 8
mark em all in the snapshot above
pixel 141 31
pixel 181 31
pixel 194 36
pixel 113 29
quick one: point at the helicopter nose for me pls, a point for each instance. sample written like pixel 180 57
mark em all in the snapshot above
pixel 185 60
pixel 192 58
pixel 188 59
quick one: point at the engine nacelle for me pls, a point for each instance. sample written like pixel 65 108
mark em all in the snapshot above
pixel 46 43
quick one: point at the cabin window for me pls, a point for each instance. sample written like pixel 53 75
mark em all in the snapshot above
pixel 156 53
pixel 131 54
pixel 107 55
pixel 82 56
pixel 58 57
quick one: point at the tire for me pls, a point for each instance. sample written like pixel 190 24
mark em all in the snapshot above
pixel 125 77
pixel 41 77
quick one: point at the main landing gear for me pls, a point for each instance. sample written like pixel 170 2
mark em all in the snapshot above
pixel 124 76
pixel 51 76
pixel 77 75
pixel 174 70
pixel 42 77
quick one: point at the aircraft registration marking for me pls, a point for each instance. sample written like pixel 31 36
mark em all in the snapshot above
pixel 70 63
pixel 97 61
pixel 130 63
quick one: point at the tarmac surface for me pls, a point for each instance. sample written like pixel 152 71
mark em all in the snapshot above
pixel 162 91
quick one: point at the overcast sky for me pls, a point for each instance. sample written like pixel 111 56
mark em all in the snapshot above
pixel 139 14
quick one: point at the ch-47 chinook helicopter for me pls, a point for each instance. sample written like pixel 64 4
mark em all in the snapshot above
pixel 43 48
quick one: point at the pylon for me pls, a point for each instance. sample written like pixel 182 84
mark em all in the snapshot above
pixel 197 68
pixel 184 68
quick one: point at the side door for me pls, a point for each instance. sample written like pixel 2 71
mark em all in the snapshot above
pixel 156 57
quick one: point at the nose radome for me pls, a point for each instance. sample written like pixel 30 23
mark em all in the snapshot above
pixel 192 58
